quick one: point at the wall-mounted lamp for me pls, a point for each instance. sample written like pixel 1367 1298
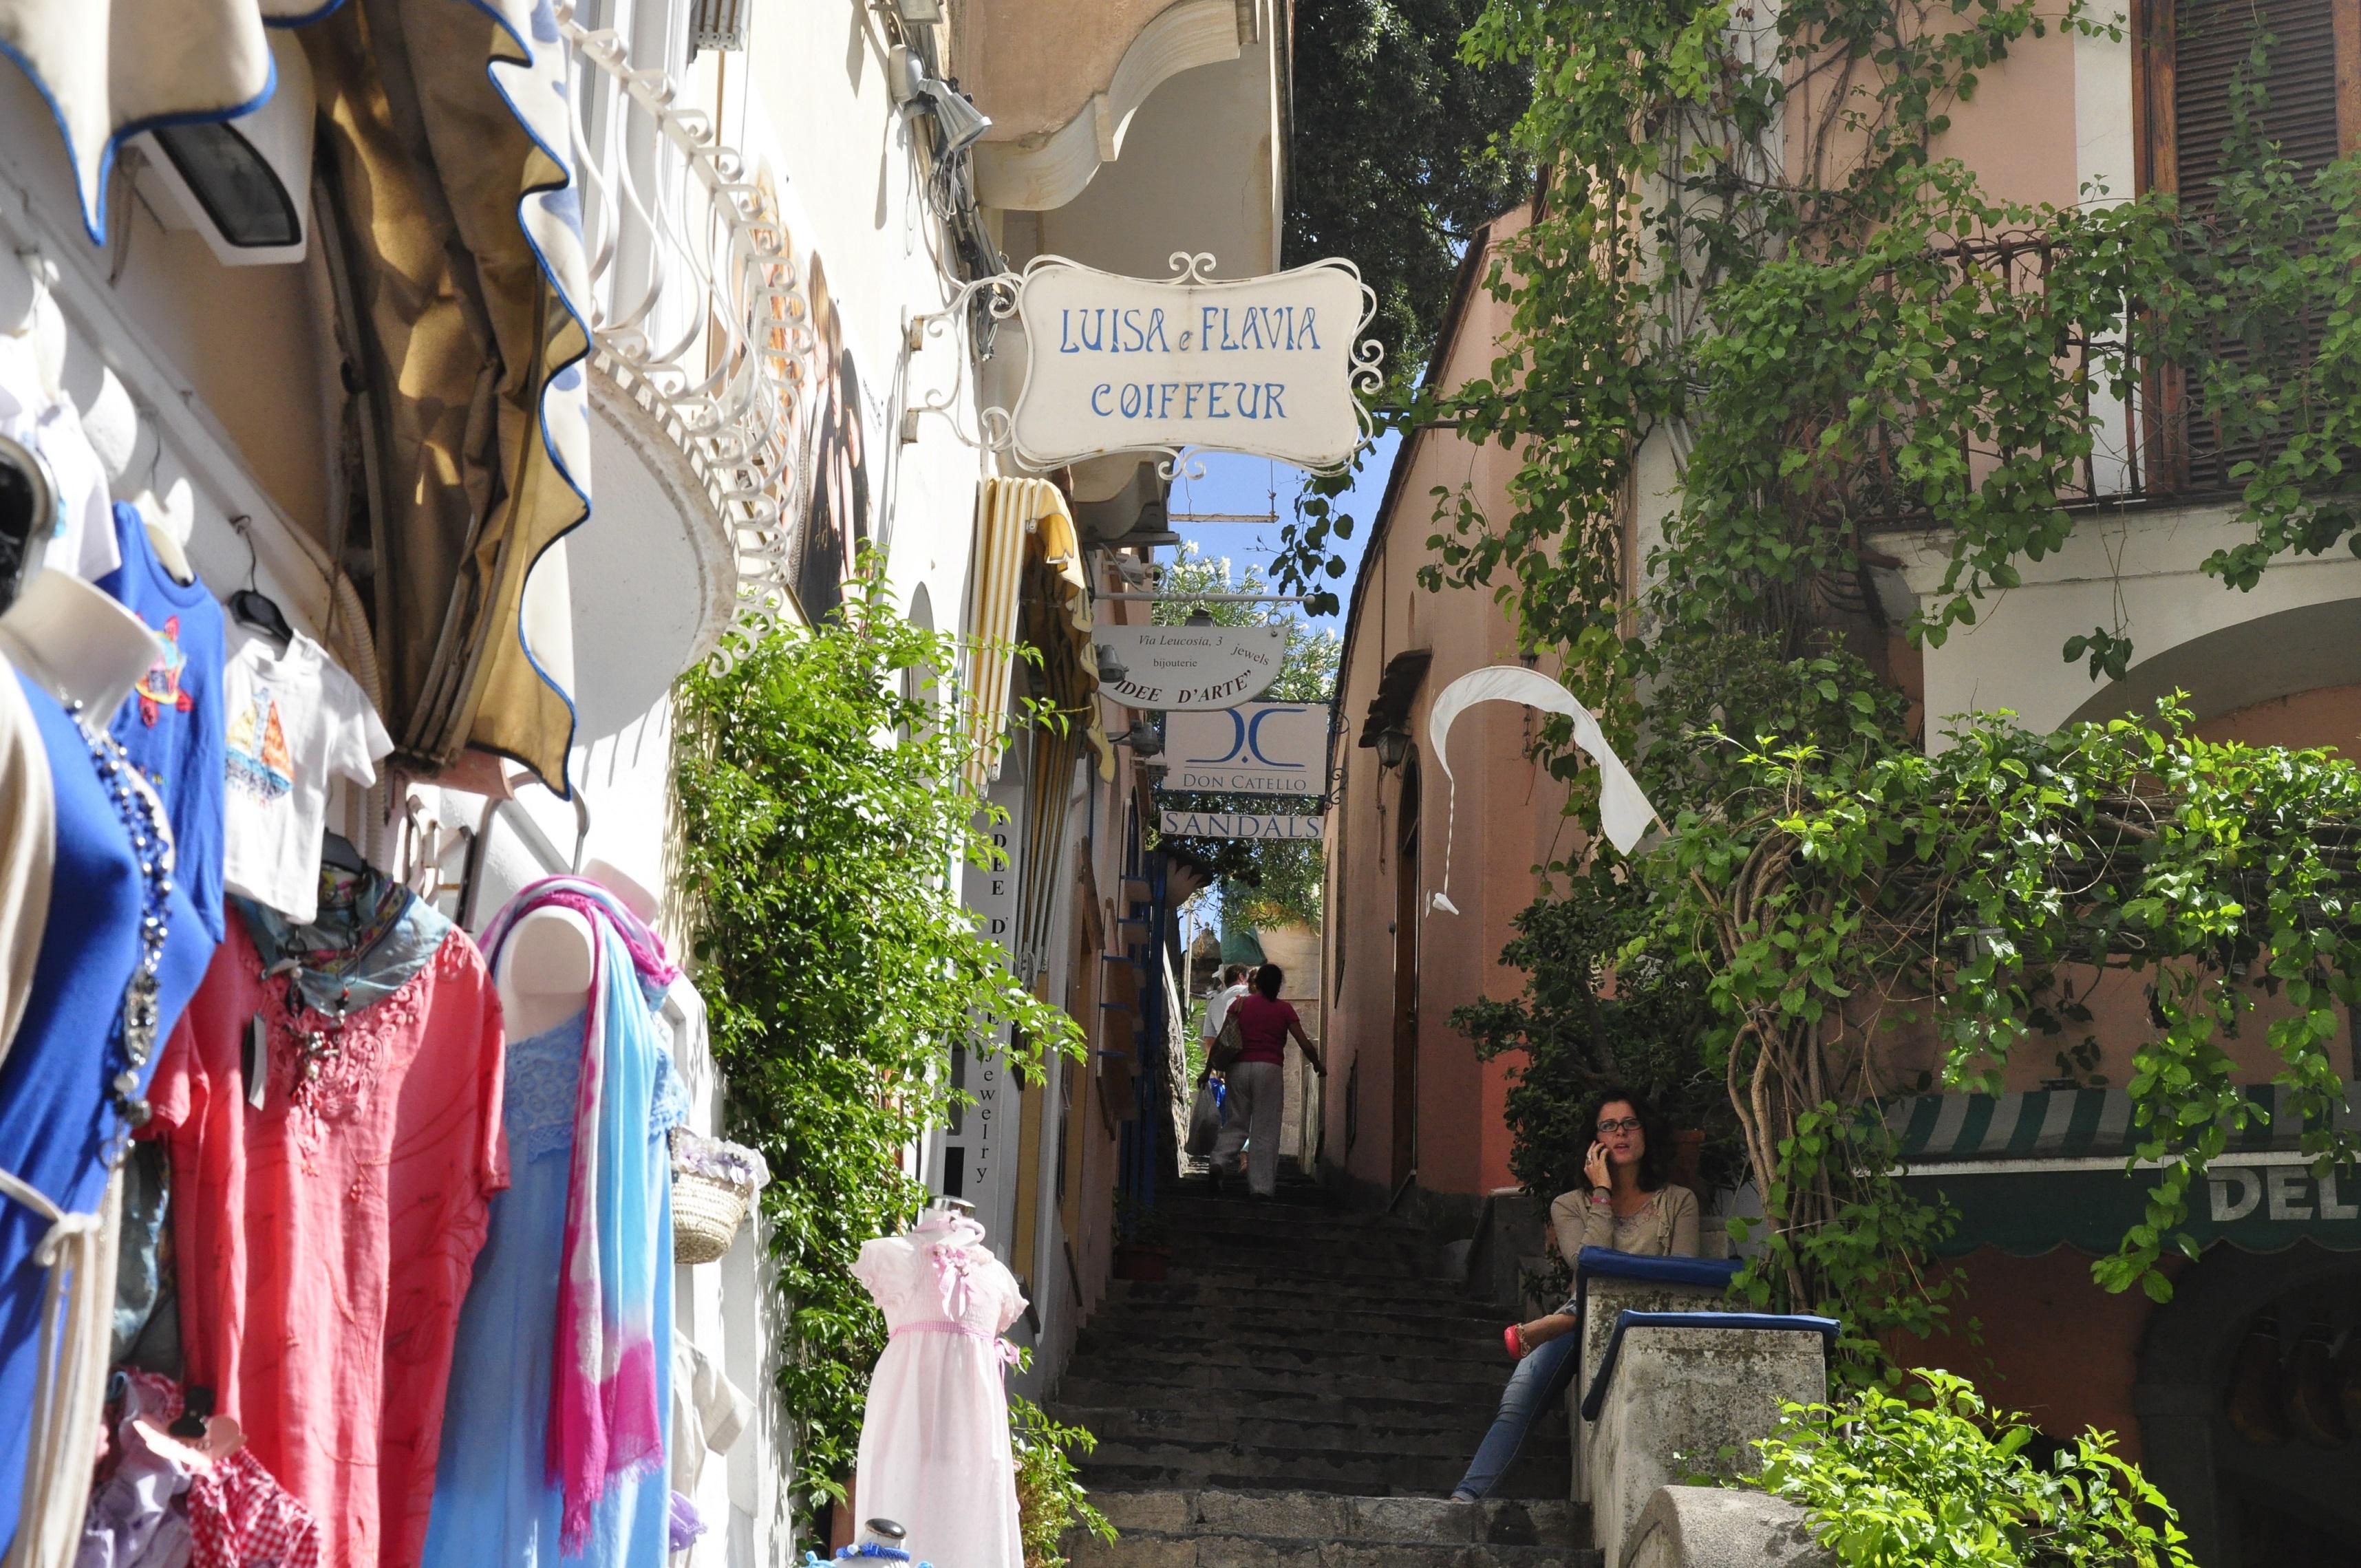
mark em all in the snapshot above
pixel 1112 668
pixel 961 122
pixel 1392 746
pixel 245 184
pixel 1142 739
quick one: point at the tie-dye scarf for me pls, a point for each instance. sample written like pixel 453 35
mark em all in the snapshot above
pixel 605 1426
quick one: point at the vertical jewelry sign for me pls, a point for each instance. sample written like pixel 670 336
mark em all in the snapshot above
pixel 975 1157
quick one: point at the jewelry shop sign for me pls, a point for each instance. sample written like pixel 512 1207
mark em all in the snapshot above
pixel 1192 667
pixel 1264 366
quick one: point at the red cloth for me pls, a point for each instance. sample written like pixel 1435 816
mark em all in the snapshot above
pixel 1262 1024
pixel 325 1241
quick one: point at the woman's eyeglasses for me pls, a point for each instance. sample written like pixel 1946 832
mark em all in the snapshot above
pixel 1628 1124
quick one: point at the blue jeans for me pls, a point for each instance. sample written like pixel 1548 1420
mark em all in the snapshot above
pixel 1532 1388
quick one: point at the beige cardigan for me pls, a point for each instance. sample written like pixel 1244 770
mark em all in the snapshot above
pixel 1667 1227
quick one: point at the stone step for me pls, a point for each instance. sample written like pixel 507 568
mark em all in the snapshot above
pixel 1140 1337
pixel 1124 1466
pixel 1216 1529
pixel 1398 1402
pixel 1410 1377
pixel 1281 1257
pixel 1425 1431
pixel 1431 1471
pixel 1240 1286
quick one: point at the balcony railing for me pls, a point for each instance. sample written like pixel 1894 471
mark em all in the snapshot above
pixel 698 313
pixel 2153 443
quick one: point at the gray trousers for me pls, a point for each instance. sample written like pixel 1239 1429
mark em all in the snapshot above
pixel 1257 1097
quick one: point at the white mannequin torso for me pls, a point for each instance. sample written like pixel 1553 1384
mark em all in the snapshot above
pixel 545 965
pixel 77 642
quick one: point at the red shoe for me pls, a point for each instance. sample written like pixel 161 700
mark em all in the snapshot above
pixel 1513 1337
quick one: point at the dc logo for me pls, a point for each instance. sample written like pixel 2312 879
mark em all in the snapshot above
pixel 1246 741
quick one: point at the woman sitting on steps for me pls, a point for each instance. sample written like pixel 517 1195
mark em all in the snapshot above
pixel 1632 1206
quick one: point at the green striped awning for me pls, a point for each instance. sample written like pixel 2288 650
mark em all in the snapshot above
pixel 2068 1123
pixel 2032 1171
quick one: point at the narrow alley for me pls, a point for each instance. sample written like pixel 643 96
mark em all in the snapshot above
pixel 1305 1388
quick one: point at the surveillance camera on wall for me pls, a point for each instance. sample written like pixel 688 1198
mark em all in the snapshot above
pixel 245 184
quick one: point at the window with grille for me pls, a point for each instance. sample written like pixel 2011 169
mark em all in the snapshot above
pixel 2192 51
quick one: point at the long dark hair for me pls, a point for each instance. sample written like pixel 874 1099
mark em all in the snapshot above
pixel 1269 979
pixel 1656 1134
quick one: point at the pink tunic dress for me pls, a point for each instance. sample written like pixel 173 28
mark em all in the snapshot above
pixel 934 1445
pixel 326 1237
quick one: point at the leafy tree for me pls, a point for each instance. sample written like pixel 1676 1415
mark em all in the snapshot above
pixel 1604 1002
pixel 1397 156
pixel 1751 259
pixel 823 813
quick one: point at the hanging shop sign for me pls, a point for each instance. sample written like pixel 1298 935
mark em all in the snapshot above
pixel 1270 366
pixel 1256 748
pixel 1236 825
pixel 1190 667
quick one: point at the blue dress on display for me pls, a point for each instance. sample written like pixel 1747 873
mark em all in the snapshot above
pixel 493 1499
pixel 56 1126
pixel 171 724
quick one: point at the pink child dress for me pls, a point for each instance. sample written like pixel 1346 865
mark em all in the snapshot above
pixel 934 1445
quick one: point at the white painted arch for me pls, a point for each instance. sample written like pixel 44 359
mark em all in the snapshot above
pixel 2298 629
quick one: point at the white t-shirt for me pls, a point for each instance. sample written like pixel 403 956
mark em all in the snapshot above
pixel 295 719
pixel 84 543
pixel 1217 1008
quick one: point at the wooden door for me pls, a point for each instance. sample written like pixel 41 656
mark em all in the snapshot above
pixel 1406 924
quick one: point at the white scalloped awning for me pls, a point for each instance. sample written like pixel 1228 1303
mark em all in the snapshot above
pixel 111 68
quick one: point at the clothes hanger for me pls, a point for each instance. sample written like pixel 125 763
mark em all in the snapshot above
pixel 337 851
pixel 249 606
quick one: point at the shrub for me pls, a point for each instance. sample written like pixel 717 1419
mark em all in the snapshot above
pixel 1050 1497
pixel 1937 1479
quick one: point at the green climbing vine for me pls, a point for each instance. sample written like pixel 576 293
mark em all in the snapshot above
pixel 823 816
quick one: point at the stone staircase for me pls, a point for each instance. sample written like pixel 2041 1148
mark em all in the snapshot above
pixel 1303 1393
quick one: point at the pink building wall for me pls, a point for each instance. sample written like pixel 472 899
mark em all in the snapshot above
pixel 1506 819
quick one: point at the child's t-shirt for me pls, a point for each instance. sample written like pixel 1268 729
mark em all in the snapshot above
pixel 296 720
pixel 171 726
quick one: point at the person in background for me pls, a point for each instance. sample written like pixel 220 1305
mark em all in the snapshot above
pixel 1217 1009
pixel 1632 1206
pixel 1255 1093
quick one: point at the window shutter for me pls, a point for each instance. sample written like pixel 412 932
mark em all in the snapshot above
pixel 2210 40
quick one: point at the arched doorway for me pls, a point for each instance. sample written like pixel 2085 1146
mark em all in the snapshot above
pixel 1405 929
pixel 2249 1396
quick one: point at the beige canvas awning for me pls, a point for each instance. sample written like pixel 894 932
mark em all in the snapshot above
pixel 460 228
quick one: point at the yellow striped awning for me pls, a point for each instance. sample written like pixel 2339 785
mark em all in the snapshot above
pixel 1026 539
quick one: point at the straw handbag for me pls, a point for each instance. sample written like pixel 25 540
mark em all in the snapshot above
pixel 713 1186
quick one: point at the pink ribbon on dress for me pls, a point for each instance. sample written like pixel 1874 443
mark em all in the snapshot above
pixel 1006 1351
pixel 953 1264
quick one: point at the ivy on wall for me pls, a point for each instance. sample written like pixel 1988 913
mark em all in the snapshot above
pixel 824 820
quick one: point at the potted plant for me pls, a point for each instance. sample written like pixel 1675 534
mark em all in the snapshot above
pixel 1141 1251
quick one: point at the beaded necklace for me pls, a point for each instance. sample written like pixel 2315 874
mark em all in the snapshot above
pixel 142 815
